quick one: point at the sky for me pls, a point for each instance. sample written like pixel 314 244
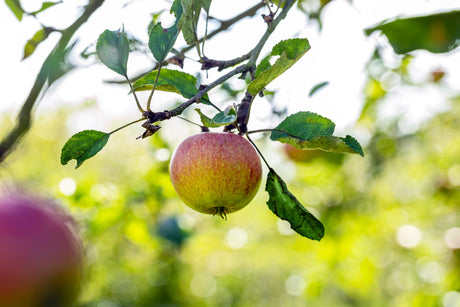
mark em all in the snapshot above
pixel 338 55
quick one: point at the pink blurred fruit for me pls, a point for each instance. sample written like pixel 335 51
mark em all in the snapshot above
pixel 40 253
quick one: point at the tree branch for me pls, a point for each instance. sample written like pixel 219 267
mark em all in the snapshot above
pixel 221 65
pixel 224 25
pixel 45 75
pixel 244 108
pixel 271 27
pixel 160 116
pixel 243 114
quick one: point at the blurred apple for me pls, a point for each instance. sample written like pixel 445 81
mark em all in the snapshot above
pixel 40 253
pixel 216 172
pixel 308 155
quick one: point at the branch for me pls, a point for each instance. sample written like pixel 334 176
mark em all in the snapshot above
pixel 244 108
pixel 224 25
pixel 44 76
pixel 160 116
pixel 243 114
pixel 271 27
pixel 209 63
pixel 254 54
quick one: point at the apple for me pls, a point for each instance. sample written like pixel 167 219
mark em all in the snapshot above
pixel 300 155
pixel 308 155
pixel 40 253
pixel 216 172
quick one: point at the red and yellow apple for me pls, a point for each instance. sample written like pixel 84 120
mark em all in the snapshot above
pixel 40 253
pixel 216 172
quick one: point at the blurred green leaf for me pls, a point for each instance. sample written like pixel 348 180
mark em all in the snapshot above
pixel 45 5
pixel 16 8
pixel 170 81
pixel 59 64
pixel 286 206
pixel 289 52
pixel 317 87
pixel 436 33
pixel 40 36
pixel 192 10
pixel 83 145
pixel 113 50
pixel 170 229
pixel 162 40
pixel 303 126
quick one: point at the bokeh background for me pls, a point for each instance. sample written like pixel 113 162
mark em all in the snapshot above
pixel 392 218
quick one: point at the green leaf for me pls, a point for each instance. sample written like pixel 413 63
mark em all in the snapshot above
pixel 162 40
pixel 289 52
pixel 59 64
pixel 225 117
pixel 16 8
pixel 113 50
pixel 45 6
pixel 170 81
pixel 317 87
pixel 192 12
pixel 294 48
pixel 32 43
pixel 207 122
pixel 263 66
pixel 330 143
pixel 436 33
pixel 222 118
pixel 303 126
pixel 307 130
pixel 83 145
pixel 286 206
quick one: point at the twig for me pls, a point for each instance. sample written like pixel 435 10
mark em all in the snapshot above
pixel 258 48
pixel 40 85
pixel 243 116
pixel 160 116
pixel 209 63
pixel 250 66
pixel 135 96
pixel 149 101
pixel 126 125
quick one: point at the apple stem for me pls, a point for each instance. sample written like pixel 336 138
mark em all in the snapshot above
pixel 258 151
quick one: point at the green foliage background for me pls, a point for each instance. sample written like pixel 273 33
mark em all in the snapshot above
pixel 250 259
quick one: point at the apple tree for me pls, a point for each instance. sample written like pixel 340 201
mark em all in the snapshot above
pixel 170 47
